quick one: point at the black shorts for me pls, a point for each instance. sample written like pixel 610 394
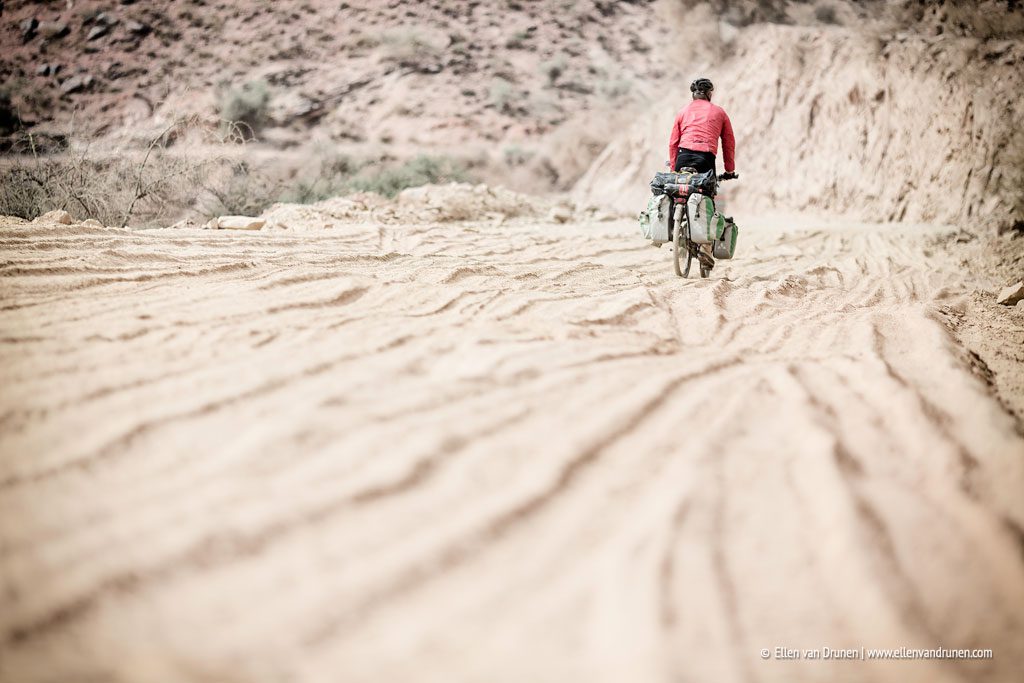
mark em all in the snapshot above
pixel 702 161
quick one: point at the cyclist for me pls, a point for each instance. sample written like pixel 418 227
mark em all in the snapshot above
pixel 694 140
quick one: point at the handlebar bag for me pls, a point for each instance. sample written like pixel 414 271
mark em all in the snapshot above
pixel 706 183
pixel 666 178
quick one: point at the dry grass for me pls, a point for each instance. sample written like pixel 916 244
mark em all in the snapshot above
pixel 157 186
pixel 163 183
pixel 114 192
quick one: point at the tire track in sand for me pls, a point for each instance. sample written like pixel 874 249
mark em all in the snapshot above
pixel 404 449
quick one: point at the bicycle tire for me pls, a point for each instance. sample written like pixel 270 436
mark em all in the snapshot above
pixel 676 246
pixel 689 248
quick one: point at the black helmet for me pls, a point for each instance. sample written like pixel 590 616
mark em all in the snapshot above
pixel 703 85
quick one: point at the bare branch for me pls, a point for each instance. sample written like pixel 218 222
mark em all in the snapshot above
pixel 142 168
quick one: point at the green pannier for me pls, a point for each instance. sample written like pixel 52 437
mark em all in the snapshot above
pixel 706 224
pixel 726 246
pixel 654 220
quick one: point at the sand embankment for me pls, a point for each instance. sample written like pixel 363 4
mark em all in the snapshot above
pixel 880 126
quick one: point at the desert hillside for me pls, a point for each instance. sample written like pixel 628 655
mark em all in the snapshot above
pixel 488 78
pixel 885 110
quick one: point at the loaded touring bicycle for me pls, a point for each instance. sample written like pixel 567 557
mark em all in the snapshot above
pixel 682 211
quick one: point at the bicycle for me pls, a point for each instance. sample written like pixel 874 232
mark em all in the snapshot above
pixel 681 238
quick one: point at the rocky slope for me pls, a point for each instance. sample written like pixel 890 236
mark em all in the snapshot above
pixel 886 110
pixel 480 76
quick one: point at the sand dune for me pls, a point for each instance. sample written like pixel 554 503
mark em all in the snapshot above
pixel 495 451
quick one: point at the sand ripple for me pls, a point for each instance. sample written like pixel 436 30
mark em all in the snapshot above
pixel 500 452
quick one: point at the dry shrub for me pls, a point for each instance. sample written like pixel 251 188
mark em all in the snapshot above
pixel 243 189
pixel 87 188
pixel 161 184
pixel 140 188
pixel 238 190
pixel 246 190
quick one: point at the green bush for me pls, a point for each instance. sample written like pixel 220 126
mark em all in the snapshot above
pixel 248 104
pixel 409 48
pixel 826 14
pixel 517 156
pixel 420 170
pixel 502 96
pixel 341 165
pixel 248 191
pixel 615 88
pixel 553 69
pixel 518 40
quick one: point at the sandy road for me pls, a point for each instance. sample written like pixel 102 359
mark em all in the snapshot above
pixel 481 452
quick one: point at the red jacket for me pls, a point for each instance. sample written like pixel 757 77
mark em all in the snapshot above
pixel 698 127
